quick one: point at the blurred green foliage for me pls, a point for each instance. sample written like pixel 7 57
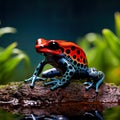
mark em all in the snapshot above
pixel 10 57
pixel 4 115
pixel 103 51
pixel 112 113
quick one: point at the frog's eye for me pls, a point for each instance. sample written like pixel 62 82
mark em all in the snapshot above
pixel 53 46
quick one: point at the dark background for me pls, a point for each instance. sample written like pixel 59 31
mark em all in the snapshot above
pixel 54 19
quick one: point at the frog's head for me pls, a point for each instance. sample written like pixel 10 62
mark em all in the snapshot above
pixel 49 46
pixel 55 47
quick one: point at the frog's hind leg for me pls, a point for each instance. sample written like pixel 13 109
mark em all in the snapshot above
pixel 51 73
pixel 96 76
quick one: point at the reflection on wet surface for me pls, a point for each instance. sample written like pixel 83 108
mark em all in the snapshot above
pixel 93 115
pixel 62 111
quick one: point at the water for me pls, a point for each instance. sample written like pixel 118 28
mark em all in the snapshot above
pixel 64 111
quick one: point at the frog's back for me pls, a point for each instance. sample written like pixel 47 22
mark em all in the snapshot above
pixel 75 53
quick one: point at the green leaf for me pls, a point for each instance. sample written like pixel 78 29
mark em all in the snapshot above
pixel 6 53
pixel 6 30
pixel 9 60
pixel 8 67
pixel 117 23
pixel 23 56
pixel 13 62
pixel 112 41
pixel 112 113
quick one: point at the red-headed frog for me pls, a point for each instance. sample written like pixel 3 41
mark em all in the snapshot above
pixel 68 61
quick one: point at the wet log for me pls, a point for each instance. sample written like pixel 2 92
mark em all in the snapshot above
pixel 21 95
pixel 74 92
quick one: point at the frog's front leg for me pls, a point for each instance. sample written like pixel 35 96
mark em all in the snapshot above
pixel 35 76
pixel 66 76
pixel 96 76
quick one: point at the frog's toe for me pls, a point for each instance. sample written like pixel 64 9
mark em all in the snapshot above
pixel 57 85
pixel 31 86
pixel 89 86
pixel 53 81
pixel 87 83
pixel 54 87
pixel 35 78
pixel 96 92
pixel 28 80
pixel 96 89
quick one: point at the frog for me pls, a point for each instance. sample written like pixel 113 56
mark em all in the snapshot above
pixel 68 61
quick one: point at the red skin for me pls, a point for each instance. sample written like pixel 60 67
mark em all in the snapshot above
pixel 74 51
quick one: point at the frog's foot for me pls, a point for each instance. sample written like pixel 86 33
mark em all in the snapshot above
pixel 92 85
pixel 97 77
pixel 55 82
pixel 33 79
pixel 89 85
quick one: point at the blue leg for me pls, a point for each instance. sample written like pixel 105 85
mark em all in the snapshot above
pixel 35 76
pixel 97 77
pixel 52 73
pixel 65 78
pixel 100 81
